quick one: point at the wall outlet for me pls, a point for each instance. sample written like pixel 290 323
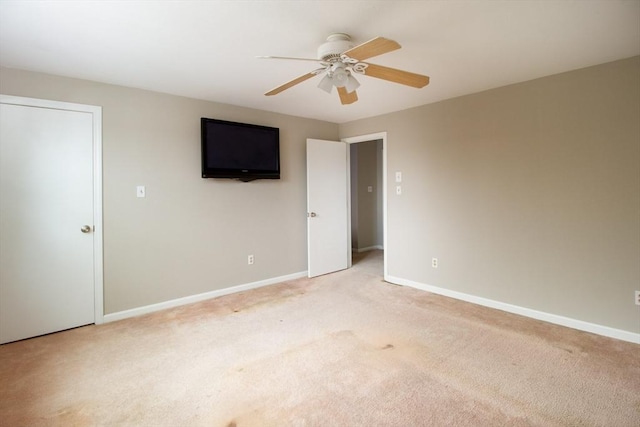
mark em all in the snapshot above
pixel 434 262
pixel 250 260
pixel 637 297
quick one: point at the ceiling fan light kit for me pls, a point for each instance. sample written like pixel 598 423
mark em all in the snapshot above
pixel 326 84
pixel 351 84
pixel 339 76
pixel 340 59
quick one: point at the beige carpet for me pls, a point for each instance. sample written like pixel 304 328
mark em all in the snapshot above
pixel 345 349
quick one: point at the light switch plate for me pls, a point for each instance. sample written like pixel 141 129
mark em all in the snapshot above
pixel 398 176
pixel 140 191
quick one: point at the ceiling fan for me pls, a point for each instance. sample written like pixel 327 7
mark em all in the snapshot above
pixel 340 60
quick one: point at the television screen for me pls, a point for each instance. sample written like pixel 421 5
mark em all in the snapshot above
pixel 239 150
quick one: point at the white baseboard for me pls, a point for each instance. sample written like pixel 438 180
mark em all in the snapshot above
pixel 369 248
pixel 199 297
pixel 523 311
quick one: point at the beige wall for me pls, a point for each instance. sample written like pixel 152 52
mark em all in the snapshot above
pixel 528 194
pixel 189 235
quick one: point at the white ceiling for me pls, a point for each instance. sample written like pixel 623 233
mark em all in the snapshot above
pixel 208 49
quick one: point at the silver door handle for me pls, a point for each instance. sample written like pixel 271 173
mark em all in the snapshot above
pixel 86 229
pixel 312 214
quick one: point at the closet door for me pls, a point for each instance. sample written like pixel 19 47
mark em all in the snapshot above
pixel 47 224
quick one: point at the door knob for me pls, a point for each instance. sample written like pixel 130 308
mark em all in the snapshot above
pixel 312 215
pixel 86 229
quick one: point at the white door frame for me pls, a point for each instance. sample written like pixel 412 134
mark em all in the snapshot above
pixel 365 138
pixel 96 114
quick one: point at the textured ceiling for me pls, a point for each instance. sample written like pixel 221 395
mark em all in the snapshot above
pixel 208 49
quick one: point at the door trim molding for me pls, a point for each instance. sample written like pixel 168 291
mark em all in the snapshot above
pixel 365 138
pixel 96 114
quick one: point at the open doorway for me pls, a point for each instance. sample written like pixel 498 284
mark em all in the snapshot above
pixel 331 240
pixel 329 246
pixel 367 201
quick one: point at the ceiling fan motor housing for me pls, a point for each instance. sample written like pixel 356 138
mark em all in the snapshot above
pixel 335 45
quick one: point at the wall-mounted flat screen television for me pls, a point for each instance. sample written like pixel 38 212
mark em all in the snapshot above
pixel 239 150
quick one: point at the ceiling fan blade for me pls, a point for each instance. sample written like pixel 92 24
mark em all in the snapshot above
pixel 287 57
pixel 293 82
pixel 347 97
pixel 396 76
pixel 373 47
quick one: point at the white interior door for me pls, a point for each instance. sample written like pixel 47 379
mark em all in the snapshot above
pixel 46 220
pixel 327 207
